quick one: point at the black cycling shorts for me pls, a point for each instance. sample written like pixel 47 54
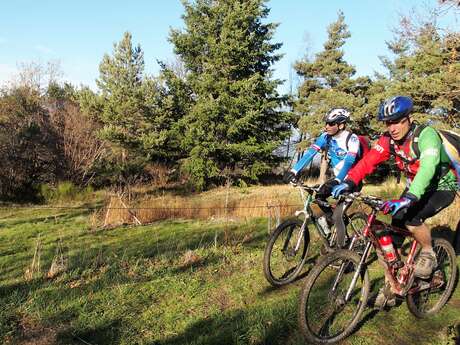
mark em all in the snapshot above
pixel 429 204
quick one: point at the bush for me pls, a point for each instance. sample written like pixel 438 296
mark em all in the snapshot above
pixel 64 192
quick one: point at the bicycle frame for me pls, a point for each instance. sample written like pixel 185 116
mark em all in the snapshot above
pixel 306 211
pixel 400 278
pixel 306 194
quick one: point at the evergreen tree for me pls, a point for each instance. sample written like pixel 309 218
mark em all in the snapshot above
pixel 327 82
pixel 235 121
pixel 138 112
pixel 121 81
pixel 169 98
pixel 426 67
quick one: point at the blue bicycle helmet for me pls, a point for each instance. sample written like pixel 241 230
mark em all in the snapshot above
pixel 395 108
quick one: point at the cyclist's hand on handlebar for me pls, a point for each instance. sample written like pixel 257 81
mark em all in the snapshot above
pixel 329 184
pixel 290 176
pixel 344 187
pixel 394 206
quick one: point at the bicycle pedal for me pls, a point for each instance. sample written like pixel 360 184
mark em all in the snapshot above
pixel 422 285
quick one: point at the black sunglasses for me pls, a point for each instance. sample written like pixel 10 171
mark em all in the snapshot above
pixel 395 122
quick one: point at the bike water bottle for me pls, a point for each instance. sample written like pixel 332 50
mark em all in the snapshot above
pixel 323 224
pixel 388 249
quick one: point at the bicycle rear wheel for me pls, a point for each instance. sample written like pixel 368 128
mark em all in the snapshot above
pixel 282 262
pixel 325 316
pixel 430 300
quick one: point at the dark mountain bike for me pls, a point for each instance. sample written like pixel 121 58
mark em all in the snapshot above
pixel 288 245
pixel 336 290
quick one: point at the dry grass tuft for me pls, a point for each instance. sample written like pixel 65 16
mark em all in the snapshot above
pixel 32 333
pixel 59 263
pixel 190 258
pixel 34 268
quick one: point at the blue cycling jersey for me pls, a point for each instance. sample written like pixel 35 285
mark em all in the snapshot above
pixel 341 155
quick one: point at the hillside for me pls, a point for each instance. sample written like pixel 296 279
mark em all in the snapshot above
pixel 171 282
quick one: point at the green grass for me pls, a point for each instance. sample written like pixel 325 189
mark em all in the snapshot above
pixel 138 285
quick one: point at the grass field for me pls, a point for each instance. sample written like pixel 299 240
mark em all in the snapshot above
pixel 172 282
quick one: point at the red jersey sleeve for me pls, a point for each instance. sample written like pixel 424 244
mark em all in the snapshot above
pixel 378 153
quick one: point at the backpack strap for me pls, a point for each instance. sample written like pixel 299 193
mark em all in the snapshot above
pixel 414 145
pixel 347 140
pixel 441 169
pixel 328 143
pixel 415 137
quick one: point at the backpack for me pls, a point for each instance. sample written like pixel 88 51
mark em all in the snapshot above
pixel 364 144
pixel 450 142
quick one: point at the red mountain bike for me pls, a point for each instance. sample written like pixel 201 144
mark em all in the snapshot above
pixel 336 290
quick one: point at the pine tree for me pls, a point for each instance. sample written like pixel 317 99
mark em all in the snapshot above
pixel 235 121
pixel 121 80
pixel 426 67
pixel 139 113
pixel 327 82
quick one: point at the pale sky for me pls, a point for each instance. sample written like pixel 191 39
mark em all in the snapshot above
pixel 79 33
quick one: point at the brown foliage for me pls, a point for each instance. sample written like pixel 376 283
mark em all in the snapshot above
pixel 28 144
pixel 80 147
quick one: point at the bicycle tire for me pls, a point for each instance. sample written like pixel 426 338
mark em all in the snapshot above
pixel 416 302
pixel 291 273
pixel 312 292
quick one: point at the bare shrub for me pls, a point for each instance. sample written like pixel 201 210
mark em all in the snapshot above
pixel 28 145
pixel 159 173
pixel 79 144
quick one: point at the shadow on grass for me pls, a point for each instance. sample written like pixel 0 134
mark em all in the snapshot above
pixel 251 326
pixel 106 334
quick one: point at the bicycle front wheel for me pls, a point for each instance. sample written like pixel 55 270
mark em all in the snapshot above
pixel 326 316
pixel 432 298
pixel 285 252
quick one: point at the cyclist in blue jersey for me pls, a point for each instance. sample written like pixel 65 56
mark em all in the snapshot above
pixel 342 148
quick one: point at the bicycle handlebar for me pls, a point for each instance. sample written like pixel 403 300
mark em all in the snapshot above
pixel 371 200
pixel 309 189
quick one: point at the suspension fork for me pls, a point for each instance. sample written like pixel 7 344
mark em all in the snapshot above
pixel 358 270
pixel 301 235
pixel 306 216
pixel 355 276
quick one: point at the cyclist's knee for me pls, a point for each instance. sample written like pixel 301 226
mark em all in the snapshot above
pixel 417 228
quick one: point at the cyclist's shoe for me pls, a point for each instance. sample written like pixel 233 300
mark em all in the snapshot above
pixel 385 298
pixel 425 264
